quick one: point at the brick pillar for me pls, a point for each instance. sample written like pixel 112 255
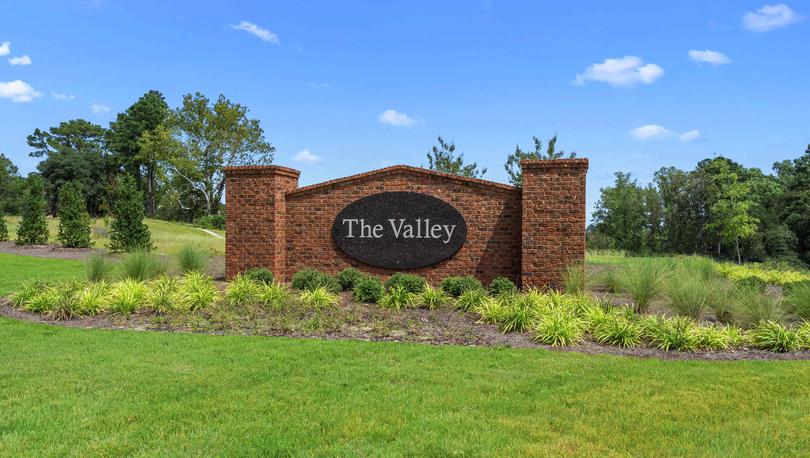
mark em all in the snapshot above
pixel 255 217
pixel 553 220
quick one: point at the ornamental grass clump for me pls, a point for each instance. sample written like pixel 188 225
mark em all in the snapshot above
pixel 273 295
pixel 679 333
pixel 712 337
pixel 470 299
pixel 397 298
pixel 556 327
pixel 191 258
pixel 752 306
pixel 430 298
pixel 99 268
pixel 689 295
pixel 197 291
pixel 574 281
pixel 516 314
pixel 93 298
pixel 610 280
pixel 61 303
pixel 142 265
pixel 643 281
pixel 618 330
pixel 241 291
pixel 491 309
pixel 319 297
pixel 772 336
pixel 162 297
pixel 127 296
pixel 368 289
pixel 27 291
pixel 798 299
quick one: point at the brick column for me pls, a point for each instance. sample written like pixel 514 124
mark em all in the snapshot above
pixel 255 217
pixel 553 220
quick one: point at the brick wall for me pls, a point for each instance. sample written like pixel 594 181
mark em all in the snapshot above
pixel 274 224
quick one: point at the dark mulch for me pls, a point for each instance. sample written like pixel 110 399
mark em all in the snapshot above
pixel 48 251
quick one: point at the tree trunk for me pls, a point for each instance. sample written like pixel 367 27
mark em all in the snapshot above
pixel 737 247
pixel 151 207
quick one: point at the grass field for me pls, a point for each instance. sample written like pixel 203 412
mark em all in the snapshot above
pixel 166 236
pixel 15 270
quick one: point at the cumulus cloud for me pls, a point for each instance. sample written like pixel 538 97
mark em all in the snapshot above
pixel 262 33
pixel 769 17
pixel 395 118
pixel 5 48
pixel 621 72
pixel 708 56
pixel 20 60
pixel 18 91
pixel 649 132
pixel 98 109
pixel 307 157
pixel 691 136
pixel 58 96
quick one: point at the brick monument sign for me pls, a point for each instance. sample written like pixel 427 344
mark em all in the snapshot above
pixel 409 219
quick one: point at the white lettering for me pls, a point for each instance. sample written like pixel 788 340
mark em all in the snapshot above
pixel 350 221
pixel 449 230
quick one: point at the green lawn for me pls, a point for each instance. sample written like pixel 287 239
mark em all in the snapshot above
pixel 167 236
pixel 82 392
pixel 15 270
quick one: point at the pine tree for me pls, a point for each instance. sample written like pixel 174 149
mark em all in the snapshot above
pixel 3 228
pixel 33 228
pixel 127 230
pixel 74 221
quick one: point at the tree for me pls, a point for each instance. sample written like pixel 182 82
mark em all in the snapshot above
pixel 3 227
pixel 442 158
pixel 127 229
pixel 795 178
pixel 512 165
pixel 33 229
pixel 620 214
pixel 730 211
pixel 11 186
pixel 210 137
pixel 74 221
pixel 123 138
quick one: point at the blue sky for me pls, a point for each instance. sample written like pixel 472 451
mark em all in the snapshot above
pixel 342 87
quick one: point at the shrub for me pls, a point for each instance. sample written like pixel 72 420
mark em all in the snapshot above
pixel 191 258
pixel 260 275
pixel 127 230
pixel 348 277
pixel 574 279
pixel 3 227
pixel 127 296
pixel 99 268
pixel 33 229
pixel 617 330
pixel 368 289
pixel 753 306
pixel 273 295
pixel 162 295
pixel 397 297
pixel 431 298
pixel 310 279
pixel 798 299
pixel 74 221
pixel 772 336
pixel 516 314
pixel 196 291
pixel 241 291
pixel 319 297
pixel 558 328
pixel 455 286
pixel 142 265
pixel 93 299
pixel 689 295
pixel 471 299
pixel 502 285
pixel 413 284
pixel 212 222
pixel 677 333
pixel 643 281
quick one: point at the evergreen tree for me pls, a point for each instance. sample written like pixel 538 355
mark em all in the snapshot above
pixel 3 228
pixel 33 228
pixel 127 230
pixel 442 158
pixel 74 221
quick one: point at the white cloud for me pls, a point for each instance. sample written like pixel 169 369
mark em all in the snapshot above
pixel 691 136
pixel 262 33
pixel 621 72
pixel 98 109
pixel 58 96
pixel 395 118
pixel 5 48
pixel 21 60
pixel 307 156
pixel 18 91
pixel 708 56
pixel 649 131
pixel 770 17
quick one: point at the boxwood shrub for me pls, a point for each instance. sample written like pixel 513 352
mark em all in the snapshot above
pixel 260 275
pixel 348 277
pixel 368 289
pixel 501 285
pixel 411 283
pixel 455 286
pixel 310 279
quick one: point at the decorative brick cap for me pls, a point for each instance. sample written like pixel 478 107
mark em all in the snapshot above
pixel 261 170
pixel 577 163
pixel 408 170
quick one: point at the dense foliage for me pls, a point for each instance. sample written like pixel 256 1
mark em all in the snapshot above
pixel 127 229
pixel 512 165
pixel 33 228
pixel 74 221
pixel 443 158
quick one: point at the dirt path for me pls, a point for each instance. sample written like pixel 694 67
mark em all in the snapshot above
pixel 212 233
pixel 48 251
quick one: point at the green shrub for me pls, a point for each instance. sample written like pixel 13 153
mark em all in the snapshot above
pixel 772 336
pixel 617 330
pixel 470 299
pixel 127 229
pixel 197 291
pixel 677 333
pixel 502 285
pixel 689 295
pixel 162 296
pixel 368 289
pixel 455 286
pixel 142 265
pixel 643 281
pixel 74 221
pixel 574 279
pixel 413 284
pixel 798 299
pixel 310 279
pixel 397 298
pixel 33 229
pixel 191 258
pixel 212 222
pixel 260 275
pixel 99 268
pixel 319 297
pixel 556 327
pixel 126 296
pixel 431 298
pixel 752 306
pixel 348 278
pixel 3 227
pixel 516 314
pixel 273 295
pixel 241 291
pixel 93 298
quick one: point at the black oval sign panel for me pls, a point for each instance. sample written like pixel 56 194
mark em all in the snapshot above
pixel 399 230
